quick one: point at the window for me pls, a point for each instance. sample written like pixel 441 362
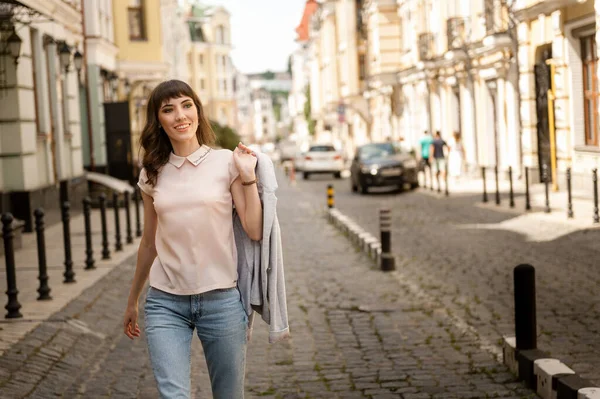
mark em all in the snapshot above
pixel 201 84
pixel 225 85
pixel 362 67
pixel 221 34
pixel 589 58
pixel 201 59
pixel 135 14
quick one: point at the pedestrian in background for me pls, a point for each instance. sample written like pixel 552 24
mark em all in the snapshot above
pixel 425 165
pixel 456 156
pixel 187 249
pixel 438 148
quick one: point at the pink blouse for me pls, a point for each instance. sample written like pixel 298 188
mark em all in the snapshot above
pixel 194 237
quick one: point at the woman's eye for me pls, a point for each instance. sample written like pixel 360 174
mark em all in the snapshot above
pixel 188 105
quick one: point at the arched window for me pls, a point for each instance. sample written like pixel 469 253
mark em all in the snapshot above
pixel 220 34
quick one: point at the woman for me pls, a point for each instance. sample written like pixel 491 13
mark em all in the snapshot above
pixel 456 156
pixel 187 248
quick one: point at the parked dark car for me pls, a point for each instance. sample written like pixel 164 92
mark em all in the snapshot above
pixel 383 164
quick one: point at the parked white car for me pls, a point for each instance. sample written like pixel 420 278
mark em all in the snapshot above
pixel 322 158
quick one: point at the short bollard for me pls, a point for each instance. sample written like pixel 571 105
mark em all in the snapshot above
pixel 527 200
pixel 69 273
pixel 89 252
pixel 569 196
pixel 13 304
pixel 497 185
pixel 118 244
pixel 385 224
pixel 136 201
pixel 525 315
pixel 511 193
pixel 44 289
pixel 485 196
pixel 546 187
pixel 330 196
pixel 595 181
pixel 105 250
pixel 129 238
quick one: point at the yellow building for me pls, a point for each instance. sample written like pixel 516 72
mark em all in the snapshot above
pixel 140 63
pixel 209 61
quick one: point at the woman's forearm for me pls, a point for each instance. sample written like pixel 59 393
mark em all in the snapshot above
pixel 145 258
pixel 254 212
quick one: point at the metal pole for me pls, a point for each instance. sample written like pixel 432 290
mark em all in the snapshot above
pixel 13 304
pixel 569 196
pixel 527 201
pixel 127 217
pixel 545 178
pixel 105 250
pixel 89 252
pixel 136 200
pixel 44 289
pixel 525 314
pixel 69 273
pixel 497 185
pixel 485 196
pixel 511 192
pixel 385 224
pixel 446 180
pixel 118 244
pixel 595 180
pixel 330 197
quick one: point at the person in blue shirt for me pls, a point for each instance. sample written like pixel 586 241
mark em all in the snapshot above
pixel 438 149
pixel 425 166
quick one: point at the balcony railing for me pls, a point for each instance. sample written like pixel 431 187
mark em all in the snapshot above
pixel 457 30
pixel 426 46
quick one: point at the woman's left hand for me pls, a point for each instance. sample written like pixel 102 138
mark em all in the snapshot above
pixel 245 161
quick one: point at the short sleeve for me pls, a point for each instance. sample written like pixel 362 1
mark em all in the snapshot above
pixel 233 170
pixel 145 187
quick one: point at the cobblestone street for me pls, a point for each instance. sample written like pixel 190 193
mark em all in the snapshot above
pixel 356 332
pixel 463 256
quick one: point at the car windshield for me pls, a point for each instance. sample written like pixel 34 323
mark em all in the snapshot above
pixel 322 148
pixel 380 150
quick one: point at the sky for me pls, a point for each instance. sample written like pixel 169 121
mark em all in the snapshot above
pixel 262 32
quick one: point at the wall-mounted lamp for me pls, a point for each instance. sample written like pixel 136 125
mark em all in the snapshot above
pixel 78 61
pixel 13 44
pixel 65 57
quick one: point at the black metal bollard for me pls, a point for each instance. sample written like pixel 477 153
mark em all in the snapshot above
pixel 69 273
pixel 527 201
pixel 511 191
pixel 569 196
pixel 330 197
pixel 385 224
pixel 13 304
pixel 136 200
pixel 497 185
pixel 525 317
pixel 44 289
pixel 595 180
pixel 105 250
pixel 485 196
pixel 118 244
pixel 546 187
pixel 129 238
pixel 89 252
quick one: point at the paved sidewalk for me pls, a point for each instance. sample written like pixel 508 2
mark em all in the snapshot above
pixel 356 333
pixel 26 261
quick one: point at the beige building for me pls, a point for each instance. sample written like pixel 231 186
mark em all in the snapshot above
pixel 211 71
pixel 40 124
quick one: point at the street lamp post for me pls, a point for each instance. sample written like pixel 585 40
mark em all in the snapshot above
pixel 65 62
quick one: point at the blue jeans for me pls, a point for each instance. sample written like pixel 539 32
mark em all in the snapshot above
pixel 221 323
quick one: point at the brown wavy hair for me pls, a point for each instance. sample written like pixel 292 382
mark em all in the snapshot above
pixel 154 140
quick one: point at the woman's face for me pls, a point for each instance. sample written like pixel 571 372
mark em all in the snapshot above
pixel 179 118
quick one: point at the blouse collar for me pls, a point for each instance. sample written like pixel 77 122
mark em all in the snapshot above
pixel 195 157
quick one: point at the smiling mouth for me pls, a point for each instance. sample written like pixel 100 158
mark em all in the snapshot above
pixel 182 127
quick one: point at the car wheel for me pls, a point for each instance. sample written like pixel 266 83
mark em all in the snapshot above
pixel 364 189
pixel 305 175
pixel 337 175
pixel 414 186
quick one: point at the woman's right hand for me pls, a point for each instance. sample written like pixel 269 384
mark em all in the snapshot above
pixel 130 326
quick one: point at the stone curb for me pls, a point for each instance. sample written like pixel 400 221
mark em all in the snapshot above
pixel 549 377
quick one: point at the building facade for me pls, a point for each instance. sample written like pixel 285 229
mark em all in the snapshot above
pixel 41 160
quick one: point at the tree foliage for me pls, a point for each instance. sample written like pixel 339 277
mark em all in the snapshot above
pixel 226 136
